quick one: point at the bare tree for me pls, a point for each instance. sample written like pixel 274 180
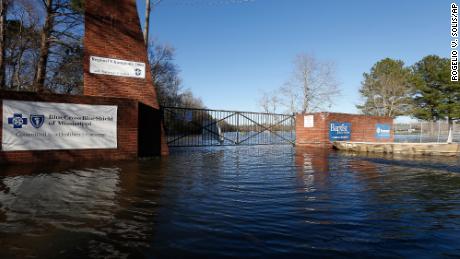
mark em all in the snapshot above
pixel 148 8
pixel 147 22
pixel 289 98
pixel 39 37
pixel 264 102
pixel 187 99
pixel 3 10
pixel 62 20
pixel 67 76
pixel 313 84
pixel 269 102
pixel 21 45
pixel 165 73
pixel 44 46
pixel 166 78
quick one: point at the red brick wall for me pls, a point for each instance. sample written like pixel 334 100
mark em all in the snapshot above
pixel 362 128
pixel 113 30
pixel 315 135
pixel 126 130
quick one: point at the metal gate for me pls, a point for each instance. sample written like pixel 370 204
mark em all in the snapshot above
pixel 188 127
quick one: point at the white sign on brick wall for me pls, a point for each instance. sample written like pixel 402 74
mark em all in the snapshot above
pixel 308 121
pixel 116 67
pixel 58 126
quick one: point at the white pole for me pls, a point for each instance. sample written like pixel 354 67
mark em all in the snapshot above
pixel 421 131
pixel 453 130
pixel 439 129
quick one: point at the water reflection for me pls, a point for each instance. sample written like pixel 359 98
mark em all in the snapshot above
pixel 67 212
pixel 234 202
pixel 312 167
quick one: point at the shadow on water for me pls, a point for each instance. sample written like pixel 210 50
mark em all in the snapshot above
pixel 266 201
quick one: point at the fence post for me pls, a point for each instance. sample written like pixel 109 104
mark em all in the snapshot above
pixel 237 128
pixel 293 125
pixel 421 131
pixel 453 131
pixel 394 131
pixel 439 130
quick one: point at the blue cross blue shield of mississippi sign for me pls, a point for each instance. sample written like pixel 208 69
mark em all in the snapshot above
pixel 37 120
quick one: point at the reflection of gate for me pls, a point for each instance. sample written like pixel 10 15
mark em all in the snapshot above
pixel 187 127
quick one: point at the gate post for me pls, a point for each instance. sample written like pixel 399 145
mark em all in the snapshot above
pixel 311 129
pixel 237 128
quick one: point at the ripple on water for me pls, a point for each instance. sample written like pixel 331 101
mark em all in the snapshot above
pixel 234 202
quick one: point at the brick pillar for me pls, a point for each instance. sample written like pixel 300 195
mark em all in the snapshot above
pixel 314 134
pixel 113 30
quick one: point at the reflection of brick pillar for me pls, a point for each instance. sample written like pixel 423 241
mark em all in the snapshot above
pixel 312 166
pixel 112 30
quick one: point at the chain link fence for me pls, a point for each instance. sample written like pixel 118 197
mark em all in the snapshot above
pixel 425 131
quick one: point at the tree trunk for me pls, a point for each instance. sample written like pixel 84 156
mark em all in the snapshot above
pixel 450 137
pixel 17 72
pixel 13 72
pixel 44 48
pixel 147 22
pixel 3 8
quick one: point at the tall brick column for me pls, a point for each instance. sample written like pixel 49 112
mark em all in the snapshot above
pixel 113 30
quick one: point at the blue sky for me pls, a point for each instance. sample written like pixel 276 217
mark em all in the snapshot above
pixel 230 52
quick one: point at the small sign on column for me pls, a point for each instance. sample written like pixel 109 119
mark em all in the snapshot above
pixel 308 121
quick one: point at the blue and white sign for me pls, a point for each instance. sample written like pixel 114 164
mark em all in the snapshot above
pixel 382 131
pixel 339 131
pixel 56 126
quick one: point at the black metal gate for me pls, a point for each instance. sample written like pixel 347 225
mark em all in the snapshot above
pixel 188 127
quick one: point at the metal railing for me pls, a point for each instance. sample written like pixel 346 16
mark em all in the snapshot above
pixel 189 127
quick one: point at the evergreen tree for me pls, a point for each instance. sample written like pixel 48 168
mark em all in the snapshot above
pixel 386 89
pixel 435 96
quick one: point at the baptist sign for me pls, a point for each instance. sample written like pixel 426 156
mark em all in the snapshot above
pixel 116 67
pixel 339 131
pixel 58 126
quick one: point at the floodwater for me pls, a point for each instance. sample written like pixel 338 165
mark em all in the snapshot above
pixel 246 202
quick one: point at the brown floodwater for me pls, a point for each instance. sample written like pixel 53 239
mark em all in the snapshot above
pixel 259 201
